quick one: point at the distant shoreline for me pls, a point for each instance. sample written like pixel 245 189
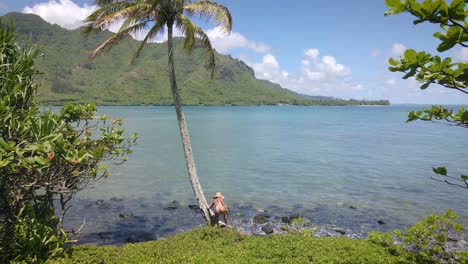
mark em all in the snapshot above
pixel 211 105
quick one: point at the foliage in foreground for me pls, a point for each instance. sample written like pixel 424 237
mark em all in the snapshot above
pixel 429 69
pixel 428 238
pixel 213 245
pixel 422 243
pixel 45 157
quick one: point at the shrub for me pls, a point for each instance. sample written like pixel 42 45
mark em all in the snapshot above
pixel 429 237
pixel 44 156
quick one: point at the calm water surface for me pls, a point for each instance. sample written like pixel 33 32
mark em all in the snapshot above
pixel 320 160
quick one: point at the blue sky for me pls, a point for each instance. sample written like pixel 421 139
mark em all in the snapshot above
pixel 336 47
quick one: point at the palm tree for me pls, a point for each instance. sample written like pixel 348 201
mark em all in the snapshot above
pixel 156 15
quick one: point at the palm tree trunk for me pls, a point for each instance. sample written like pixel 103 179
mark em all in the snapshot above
pixel 192 171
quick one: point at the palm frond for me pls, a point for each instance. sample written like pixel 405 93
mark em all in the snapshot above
pixel 114 40
pixel 213 11
pixel 158 28
pixel 94 21
pixel 192 32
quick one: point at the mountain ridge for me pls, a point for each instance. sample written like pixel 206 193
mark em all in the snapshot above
pixel 111 80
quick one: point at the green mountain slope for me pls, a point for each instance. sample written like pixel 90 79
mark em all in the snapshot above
pixel 111 80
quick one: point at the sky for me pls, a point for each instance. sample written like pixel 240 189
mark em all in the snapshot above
pixel 336 48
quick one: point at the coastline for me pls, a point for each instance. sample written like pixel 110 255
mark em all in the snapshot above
pixel 119 221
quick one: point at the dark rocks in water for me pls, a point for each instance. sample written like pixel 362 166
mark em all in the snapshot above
pixel 115 199
pixel 125 215
pixel 285 220
pixel 173 205
pixel 139 237
pixel 295 216
pixel 381 222
pixel 268 229
pixel 194 206
pixel 103 206
pixel 261 218
pixel 339 231
pixel 352 207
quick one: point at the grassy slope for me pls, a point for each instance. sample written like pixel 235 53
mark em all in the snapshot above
pixel 110 80
pixel 212 245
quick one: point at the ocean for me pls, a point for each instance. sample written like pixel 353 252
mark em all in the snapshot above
pixel 354 168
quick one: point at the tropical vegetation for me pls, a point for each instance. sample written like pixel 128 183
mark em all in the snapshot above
pixel 46 157
pixel 423 243
pixel 432 69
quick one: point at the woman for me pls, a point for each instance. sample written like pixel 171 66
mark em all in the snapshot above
pixel 220 208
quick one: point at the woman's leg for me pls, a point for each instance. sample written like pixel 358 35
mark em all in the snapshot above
pixel 225 218
pixel 217 219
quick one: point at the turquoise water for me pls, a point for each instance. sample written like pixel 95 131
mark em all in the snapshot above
pixel 293 157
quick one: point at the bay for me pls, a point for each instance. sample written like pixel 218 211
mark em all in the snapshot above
pixel 338 166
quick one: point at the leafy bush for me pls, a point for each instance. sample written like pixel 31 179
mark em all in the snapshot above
pixel 35 234
pixel 44 156
pixel 214 245
pixel 430 236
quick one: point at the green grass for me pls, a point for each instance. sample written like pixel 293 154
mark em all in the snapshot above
pixel 213 245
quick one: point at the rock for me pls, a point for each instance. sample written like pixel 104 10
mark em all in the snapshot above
pixel 261 218
pixel 139 237
pixel 339 231
pixel 125 215
pixel 381 222
pixel 352 207
pixel 99 201
pixel 294 216
pixel 285 220
pixel 452 239
pixel 194 206
pixel 268 229
pixel 115 199
pixel 173 205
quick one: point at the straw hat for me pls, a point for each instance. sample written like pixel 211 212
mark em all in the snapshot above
pixel 218 195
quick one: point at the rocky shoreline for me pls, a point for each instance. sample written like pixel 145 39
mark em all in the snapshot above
pixel 117 221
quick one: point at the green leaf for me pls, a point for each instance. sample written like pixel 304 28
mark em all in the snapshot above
pixel 446 45
pixel 396 6
pixel 424 86
pixel 410 74
pixel 464 177
pixel 440 171
pixel 410 55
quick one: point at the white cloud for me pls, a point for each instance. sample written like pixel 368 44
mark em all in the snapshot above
pixel 223 43
pixel 375 52
pixel 319 75
pixel 391 82
pixel 64 13
pixel 398 49
pixel 312 54
pixel 461 54
pixel 268 69
pixel 326 69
